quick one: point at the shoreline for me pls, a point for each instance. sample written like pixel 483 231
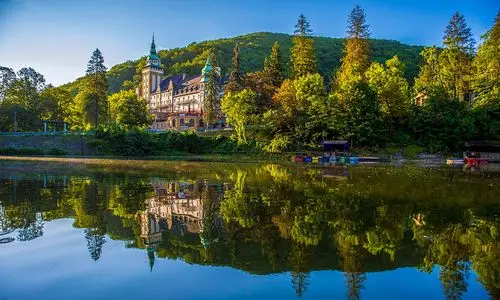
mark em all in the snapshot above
pixel 207 158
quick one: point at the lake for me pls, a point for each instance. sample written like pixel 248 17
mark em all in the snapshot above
pixel 106 229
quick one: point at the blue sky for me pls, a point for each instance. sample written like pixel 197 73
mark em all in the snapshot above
pixel 56 37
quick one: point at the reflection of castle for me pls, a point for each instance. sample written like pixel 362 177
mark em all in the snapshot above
pixel 176 207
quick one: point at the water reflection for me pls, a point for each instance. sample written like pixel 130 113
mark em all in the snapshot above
pixel 270 219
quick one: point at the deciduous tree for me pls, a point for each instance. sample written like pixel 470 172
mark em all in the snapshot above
pixel 486 81
pixel 240 110
pixel 55 103
pixel 129 110
pixel 7 78
pixel 392 89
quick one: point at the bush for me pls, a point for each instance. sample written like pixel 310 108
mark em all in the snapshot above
pixel 116 141
pixel 412 151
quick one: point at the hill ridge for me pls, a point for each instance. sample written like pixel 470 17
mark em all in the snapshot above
pixel 254 47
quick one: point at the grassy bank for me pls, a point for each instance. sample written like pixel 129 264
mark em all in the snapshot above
pixel 173 146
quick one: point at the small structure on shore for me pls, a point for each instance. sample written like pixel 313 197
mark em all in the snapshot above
pixel 482 151
pixel 330 146
pixel 485 149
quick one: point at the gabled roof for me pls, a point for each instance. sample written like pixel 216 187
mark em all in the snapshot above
pixel 181 83
pixel 175 79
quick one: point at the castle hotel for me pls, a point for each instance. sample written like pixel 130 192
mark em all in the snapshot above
pixel 177 101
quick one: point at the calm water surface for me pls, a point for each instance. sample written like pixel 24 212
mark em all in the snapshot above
pixel 135 230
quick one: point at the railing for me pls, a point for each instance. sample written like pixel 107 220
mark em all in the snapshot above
pixel 41 133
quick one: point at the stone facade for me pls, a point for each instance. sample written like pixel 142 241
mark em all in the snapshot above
pixel 176 101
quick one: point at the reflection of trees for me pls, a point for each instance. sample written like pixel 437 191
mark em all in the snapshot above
pixel 211 225
pixel 31 229
pixel 240 206
pixel 279 219
pixel 91 213
pixel 300 256
pixel 451 245
pixel 355 283
pixel 95 241
pixel 454 280
pixel 5 226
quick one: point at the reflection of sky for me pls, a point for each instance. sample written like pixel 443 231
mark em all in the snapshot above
pixel 58 266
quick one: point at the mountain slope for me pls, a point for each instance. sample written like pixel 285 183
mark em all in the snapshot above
pixel 254 48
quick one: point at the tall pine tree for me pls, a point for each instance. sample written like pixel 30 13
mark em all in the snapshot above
pixel 235 83
pixel 303 54
pixel 210 99
pixel 302 28
pixel 458 35
pixel 356 59
pixel 272 66
pixel 456 58
pixel 94 104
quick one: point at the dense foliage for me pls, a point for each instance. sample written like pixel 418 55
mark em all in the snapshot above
pixel 372 96
pixel 372 104
pixel 119 141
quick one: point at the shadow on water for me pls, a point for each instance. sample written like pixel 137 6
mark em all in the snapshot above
pixel 267 218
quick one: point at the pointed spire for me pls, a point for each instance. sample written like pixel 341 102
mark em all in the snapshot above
pixel 151 258
pixel 208 66
pixel 153 46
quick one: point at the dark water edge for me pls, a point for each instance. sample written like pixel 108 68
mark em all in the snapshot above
pixel 134 228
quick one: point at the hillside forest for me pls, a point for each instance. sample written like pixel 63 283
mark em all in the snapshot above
pixel 290 92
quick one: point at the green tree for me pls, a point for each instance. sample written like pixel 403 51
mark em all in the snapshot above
pixel 7 78
pixel 456 59
pixel 235 83
pixel 55 103
pixel 127 85
pixel 273 71
pixel 211 97
pixel 303 54
pixel 129 110
pixel 486 82
pixel 357 115
pixel 278 121
pixel 356 59
pixel 22 101
pixel 26 91
pixel 429 75
pixel 95 106
pixel 392 90
pixel 302 28
pixel 301 114
pixel 240 110
pixel 313 125
pixel 458 35
pixel 442 124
